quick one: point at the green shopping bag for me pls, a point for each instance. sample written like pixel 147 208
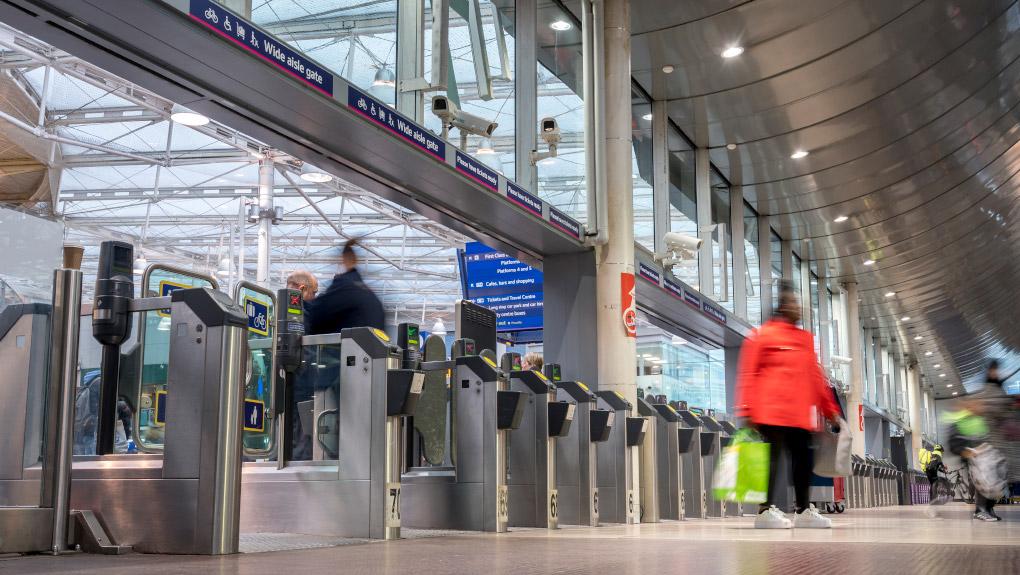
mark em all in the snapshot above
pixel 742 473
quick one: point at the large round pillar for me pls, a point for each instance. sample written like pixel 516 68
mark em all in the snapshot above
pixel 855 399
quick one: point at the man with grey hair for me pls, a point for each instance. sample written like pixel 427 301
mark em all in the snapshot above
pixel 303 280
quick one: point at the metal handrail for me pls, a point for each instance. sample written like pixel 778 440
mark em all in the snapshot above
pixel 238 291
pixel 136 423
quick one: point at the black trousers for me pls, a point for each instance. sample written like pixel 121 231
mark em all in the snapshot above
pixel 932 478
pixel 796 443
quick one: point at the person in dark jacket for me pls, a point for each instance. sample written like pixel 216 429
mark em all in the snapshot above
pixel 347 302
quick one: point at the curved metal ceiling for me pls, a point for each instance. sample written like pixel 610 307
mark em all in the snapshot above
pixel 910 110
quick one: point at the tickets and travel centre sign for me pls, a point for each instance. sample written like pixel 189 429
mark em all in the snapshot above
pixel 503 284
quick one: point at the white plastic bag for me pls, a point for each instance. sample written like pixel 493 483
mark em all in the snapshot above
pixel 987 469
pixel 832 452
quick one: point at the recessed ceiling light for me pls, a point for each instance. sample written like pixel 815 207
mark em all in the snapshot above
pixel 955 393
pixel 918 338
pixel 316 177
pixel 949 385
pixel 942 375
pixel 890 293
pixel 186 117
pixel 799 154
pixel 929 353
pixel 731 147
pixel 841 219
pixel 732 51
pixel 906 318
pixel 561 25
pixel 668 69
pixel 937 365
pixel 869 262
pixel 646 117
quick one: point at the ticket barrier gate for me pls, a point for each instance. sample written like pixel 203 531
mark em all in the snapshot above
pixel 351 487
pixel 577 454
pixel 856 497
pixel 695 495
pixel 670 445
pixel 532 479
pixel 617 500
pixel 39 355
pixel 650 463
pixel 472 494
pixel 873 487
pixel 731 508
pixel 195 484
pixel 711 440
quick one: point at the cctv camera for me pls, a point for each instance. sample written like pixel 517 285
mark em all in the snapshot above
pixel 675 241
pixel 550 131
pixel 448 112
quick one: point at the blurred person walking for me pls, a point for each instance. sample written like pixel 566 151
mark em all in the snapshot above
pixel 347 302
pixel 780 392
pixel 305 382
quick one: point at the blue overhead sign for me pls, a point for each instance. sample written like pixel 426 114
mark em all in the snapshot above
pixel 564 222
pixel 503 284
pixel 477 171
pixel 648 273
pixel 673 289
pixel 713 312
pixel 522 198
pixel 692 299
pixel 244 34
pixel 368 107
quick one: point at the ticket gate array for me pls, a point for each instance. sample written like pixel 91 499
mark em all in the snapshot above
pixel 711 448
pixel 618 501
pixel 577 454
pixel 693 459
pixel 874 483
pixel 532 480
pixel 474 494
pixel 669 447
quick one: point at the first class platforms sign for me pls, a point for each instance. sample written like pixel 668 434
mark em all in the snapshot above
pixel 244 34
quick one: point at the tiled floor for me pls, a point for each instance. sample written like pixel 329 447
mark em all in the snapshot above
pixel 887 541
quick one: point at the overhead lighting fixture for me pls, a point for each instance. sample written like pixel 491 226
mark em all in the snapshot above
pixel 677 340
pixel 732 51
pixel 929 353
pixel 918 338
pixel 906 318
pixel 485 147
pixel 942 375
pixel 937 365
pixel 186 117
pixel 869 262
pixel 890 293
pixel 646 117
pixel 949 385
pixel 561 25
pixel 439 328
pixel 140 264
pixel 731 147
pixel 384 77
pixel 668 69
pixel 956 393
pixel 798 155
pixel 841 219
pixel 314 175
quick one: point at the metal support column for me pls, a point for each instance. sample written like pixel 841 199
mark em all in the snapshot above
pixel 854 402
pixel 824 318
pixel 765 267
pixel 266 176
pixel 63 360
pixel 615 259
pixel 807 315
pixel 660 174
pixel 703 192
pixel 410 57
pixel 787 261
pixel 739 278
pixel 525 92
pixel 913 397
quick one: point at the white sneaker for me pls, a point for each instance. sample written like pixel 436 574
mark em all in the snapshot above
pixel 810 518
pixel 772 518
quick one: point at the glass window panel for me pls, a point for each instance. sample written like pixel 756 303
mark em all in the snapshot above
pixel 670 365
pixel 683 209
pixel 722 245
pixel 776 248
pixel 641 120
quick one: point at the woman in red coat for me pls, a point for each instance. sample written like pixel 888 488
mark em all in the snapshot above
pixel 781 391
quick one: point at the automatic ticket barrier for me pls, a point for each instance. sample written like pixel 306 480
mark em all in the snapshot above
pixel 351 486
pixel 472 494
pixel 532 479
pixel 729 430
pixel 695 496
pixel 618 502
pixel 650 462
pixel 711 438
pixel 670 444
pixel 577 454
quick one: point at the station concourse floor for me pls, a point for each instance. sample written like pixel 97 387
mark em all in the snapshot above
pixel 889 540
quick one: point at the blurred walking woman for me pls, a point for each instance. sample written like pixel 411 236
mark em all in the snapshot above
pixel 780 391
